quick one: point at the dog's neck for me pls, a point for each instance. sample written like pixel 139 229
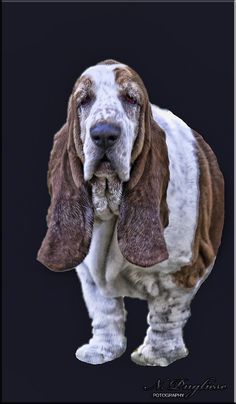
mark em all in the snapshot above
pixel 106 195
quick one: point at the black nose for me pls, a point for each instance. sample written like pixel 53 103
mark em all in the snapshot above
pixel 105 135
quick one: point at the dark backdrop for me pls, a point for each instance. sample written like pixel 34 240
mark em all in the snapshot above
pixel 184 53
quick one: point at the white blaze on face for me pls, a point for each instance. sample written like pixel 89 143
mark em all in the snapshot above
pixel 107 106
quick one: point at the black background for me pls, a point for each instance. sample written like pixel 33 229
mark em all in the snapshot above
pixel 184 53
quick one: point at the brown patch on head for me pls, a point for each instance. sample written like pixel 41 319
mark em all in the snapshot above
pixel 210 218
pixel 108 62
pixel 125 75
pixel 82 84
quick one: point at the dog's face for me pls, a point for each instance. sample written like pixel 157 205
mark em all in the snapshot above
pixel 108 100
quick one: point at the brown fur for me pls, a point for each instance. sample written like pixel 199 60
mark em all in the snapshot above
pixel 211 217
pixel 109 62
pixel 70 215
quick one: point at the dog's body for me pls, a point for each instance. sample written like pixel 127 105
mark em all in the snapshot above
pixel 152 222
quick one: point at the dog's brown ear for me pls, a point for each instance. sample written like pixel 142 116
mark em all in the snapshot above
pixel 70 215
pixel 144 211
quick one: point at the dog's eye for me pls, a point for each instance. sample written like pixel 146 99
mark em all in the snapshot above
pixel 85 101
pixel 130 100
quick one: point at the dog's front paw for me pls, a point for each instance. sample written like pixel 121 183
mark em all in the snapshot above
pixel 146 355
pixel 100 352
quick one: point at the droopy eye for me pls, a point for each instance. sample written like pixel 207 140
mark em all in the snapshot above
pixel 85 101
pixel 130 100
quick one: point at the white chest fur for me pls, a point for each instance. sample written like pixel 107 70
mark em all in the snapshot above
pixel 108 268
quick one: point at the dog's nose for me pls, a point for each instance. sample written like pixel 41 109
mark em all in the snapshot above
pixel 105 135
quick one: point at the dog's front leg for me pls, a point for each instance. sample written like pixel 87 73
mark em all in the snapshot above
pixel 108 317
pixel 164 342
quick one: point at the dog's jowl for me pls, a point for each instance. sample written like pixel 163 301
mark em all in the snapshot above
pixel 137 207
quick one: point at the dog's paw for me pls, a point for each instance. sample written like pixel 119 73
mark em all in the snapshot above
pixel 146 355
pixel 96 354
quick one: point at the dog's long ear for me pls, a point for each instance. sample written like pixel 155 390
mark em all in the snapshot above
pixel 70 215
pixel 144 211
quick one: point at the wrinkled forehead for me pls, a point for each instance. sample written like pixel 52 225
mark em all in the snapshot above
pixel 106 76
pixel 104 73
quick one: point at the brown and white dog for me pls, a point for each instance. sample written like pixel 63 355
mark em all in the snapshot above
pixel 137 207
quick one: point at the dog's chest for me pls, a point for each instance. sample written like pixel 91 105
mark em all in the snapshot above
pixel 111 272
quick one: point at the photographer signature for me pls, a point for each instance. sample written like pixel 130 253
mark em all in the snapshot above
pixel 182 385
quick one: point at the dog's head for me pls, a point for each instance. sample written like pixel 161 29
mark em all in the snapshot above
pixel 110 133
pixel 109 99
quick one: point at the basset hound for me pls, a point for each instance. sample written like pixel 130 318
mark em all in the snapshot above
pixel 137 207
